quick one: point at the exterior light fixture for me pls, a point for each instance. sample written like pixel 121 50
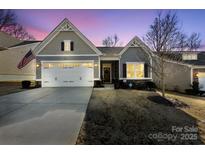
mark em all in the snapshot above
pixel 37 65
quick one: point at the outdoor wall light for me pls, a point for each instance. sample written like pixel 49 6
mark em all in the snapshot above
pixel 96 65
pixel 37 65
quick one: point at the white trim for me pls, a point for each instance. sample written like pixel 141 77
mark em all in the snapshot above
pixel 55 61
pixel 109 58
pixel 68 55
pixel 119 73
pixel 151 68
pixel 191 75
pixel 96 79
pixel 135 78
pixel 19 46
pixel 135 62
pixel 57 30
pixel 99 63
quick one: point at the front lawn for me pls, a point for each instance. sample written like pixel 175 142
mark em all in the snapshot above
pixel 136 117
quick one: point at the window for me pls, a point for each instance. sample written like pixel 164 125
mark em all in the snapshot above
pixel 135 70
pixel 67 45
pixel 189 56
pixel 88 65
pixel 49 65
pixel 71 65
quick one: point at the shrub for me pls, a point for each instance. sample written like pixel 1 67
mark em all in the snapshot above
pixel 150 85
pixel 195 86
pixel 195 89
pixel 189 91
pixel 116 84
pixel 98 84
pixel 25 84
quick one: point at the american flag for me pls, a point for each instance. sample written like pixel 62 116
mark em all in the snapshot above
pixel 26 59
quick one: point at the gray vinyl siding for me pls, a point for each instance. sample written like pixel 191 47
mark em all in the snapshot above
pixel 63 58
pixel 177 77
pixel 54 47
pixel 133 54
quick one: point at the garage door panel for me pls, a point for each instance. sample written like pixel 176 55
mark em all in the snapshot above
pixel 79 75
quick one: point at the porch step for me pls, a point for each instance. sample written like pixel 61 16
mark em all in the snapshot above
pixel 106 87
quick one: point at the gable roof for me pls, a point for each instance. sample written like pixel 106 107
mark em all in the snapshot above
pixel 6 40
pixel 136 42
pixel 24 43
pixel 65 25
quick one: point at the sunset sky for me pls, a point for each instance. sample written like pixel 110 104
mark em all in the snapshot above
pixel 97 24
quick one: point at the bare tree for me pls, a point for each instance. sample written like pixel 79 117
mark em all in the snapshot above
pixel 9 25
pixel 111 41
pixel 7 18
pixel 194 42
pixel 165 38
pixel 19 32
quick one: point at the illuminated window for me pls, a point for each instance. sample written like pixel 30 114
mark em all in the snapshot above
pixel 135 70
pixel 130 71
pixel 189 56
pixel 71 65
pixel 67 45
pixel 88 65
pixel 48 65
pixel 139 70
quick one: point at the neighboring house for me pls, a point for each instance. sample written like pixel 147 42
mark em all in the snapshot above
pixel 7 41
pixel 180 73
pixel 66 58
pixel 9 60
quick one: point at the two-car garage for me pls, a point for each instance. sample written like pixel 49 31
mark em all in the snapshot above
pixel 67 73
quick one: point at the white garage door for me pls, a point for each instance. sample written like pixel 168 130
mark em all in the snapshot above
pixel 67 74
pixel 201 76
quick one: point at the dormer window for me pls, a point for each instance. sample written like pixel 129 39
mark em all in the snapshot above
pixel 189 56
pixel 67 45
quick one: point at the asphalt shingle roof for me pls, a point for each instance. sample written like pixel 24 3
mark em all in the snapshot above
pixel 178 56
pixel 7 40
pixel 199 61
pixel 24 43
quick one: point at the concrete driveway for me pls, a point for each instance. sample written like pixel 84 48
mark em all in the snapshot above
pixel 43 116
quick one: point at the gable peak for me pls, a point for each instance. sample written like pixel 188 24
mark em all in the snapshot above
pixel 135 42
pixel 66 25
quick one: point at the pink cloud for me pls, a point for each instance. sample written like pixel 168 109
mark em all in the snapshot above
pixel 38 34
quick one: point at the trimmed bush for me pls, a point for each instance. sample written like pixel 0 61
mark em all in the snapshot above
pixel 116 84
pixel 195 87
pixel 150 85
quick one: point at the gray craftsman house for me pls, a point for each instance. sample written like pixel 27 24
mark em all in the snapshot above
pixel 66 58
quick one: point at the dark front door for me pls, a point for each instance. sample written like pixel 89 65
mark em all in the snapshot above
pixel 106 74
